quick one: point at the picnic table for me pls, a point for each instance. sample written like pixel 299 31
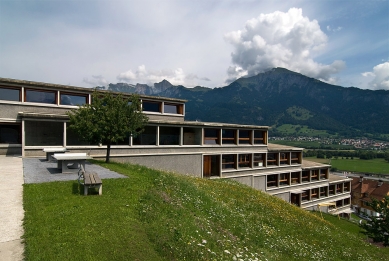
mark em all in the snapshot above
pixel 71 162
pixel 51 151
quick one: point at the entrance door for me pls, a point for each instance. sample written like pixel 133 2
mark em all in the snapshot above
pixel 207 170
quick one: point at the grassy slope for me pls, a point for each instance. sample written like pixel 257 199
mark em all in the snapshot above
pixel 154 215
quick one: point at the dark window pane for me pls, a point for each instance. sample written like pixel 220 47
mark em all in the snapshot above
pixel 68 99
pixel 169 136
pixel 9 94
pixel 10 133
pixel 170 108
pixel 44 133
pixel 150 106
pixel 41 97
pixel 147 137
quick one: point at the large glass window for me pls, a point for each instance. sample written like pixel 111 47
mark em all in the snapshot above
pixel 73 99
pixel 228 161
pixel 272 180
pixel 284 179
pixel 169 136
pixel 228 136
pixel 172 108
pixel 284 158
pixel 43 133
pixel 147 137
pixel 8 94
pixel 151 106
pixel 259 159
pixel 305 176
pixel 272 159
pixel 211 136
pixel 315 175
pixel 10 133
pixel 244 137
pixel 40 96
pixel 244 161
pixel 72 139
pixel 295 178
pixel 259 137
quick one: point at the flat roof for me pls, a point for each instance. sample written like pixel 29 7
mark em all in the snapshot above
pixel 335 178
pixel 14 82
pixel 311 164
pixel 278 147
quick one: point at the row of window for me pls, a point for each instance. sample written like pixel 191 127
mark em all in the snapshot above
pixel 74 99
pixel 305 176
pixel 52 133
pixel 255 160
pixel 322 192
pixel 233 136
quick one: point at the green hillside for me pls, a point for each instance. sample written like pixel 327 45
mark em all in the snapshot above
pixel 154 215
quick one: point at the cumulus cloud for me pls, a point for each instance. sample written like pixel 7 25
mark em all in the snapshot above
pixel 280 39
pixel 334 29
pixel 97 80
pixel 379 76
pixel 175 77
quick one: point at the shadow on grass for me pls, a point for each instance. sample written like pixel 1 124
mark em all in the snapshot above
pixel 78 189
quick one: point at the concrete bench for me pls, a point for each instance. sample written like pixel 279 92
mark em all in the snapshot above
pixel 92 180
pixel 71 162
pixel 51 151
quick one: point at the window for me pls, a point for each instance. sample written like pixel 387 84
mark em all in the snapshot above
pixel 259 137
pixel 305 176
pixel 272 159
pixel 339 188
pixel 284 158
pixel 211 136
pixel 305 195
pixel 323 192
pixel 228 136
pixel 151 106
pixel 323 173
pixel 44 133
pixel 41 96
pixel 272 180
pixel 72 138
pixel 10 133
pixel 259 159
pixel 244 137
pixel 9 94
pixel 295 177
pixel 315 175
pixel 346 201
pixel 172 108
pixel 169 136
pixel 314 193
pixel 347 187
pixel 228 161
pixel 72 99
pixel 284 179
pixel 331 189
pixel 244 161
pixel 296 157
pixel 147 137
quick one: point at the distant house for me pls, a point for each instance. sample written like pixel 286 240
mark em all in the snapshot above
pixel 362 190
pixel 33 116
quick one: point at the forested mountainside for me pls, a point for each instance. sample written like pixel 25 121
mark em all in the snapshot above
pixel 277 97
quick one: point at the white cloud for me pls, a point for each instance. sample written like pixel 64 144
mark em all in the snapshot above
pixel 175 77
pixel 280 39
pixel 97 80
pixel 334 29
pixel 380 77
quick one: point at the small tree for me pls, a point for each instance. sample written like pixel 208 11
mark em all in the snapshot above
pixel 377 228
pixel 108 119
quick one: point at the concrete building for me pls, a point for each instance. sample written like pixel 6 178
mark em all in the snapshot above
pixel 33 117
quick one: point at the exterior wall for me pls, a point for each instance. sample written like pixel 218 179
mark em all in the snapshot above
pixel 10 149
pixel 260 183
pixel 285 196
pixel 183 164
pixel 247 180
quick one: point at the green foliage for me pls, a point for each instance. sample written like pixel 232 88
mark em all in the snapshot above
pixel 377 228
pixel 155 215
pixel 108 119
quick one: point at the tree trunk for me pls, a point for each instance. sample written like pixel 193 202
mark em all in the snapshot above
pixel 108 152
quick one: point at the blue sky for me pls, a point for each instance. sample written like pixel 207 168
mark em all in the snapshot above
pixel 207 43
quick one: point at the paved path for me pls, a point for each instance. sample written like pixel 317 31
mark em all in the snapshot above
pixel 11 208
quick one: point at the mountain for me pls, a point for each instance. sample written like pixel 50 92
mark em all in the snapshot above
pixel 277 97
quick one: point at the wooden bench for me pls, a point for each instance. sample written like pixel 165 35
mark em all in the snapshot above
pixel 92 180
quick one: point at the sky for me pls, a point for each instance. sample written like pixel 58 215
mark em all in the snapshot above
pixel 207 43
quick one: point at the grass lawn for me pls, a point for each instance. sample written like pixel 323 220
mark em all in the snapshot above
pixel 379 166
pixel 155 215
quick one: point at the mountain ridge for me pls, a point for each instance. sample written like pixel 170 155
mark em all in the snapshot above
pixel 267 99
